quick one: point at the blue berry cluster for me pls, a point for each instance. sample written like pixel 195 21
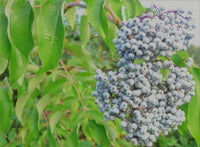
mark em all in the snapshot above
pixel 138 94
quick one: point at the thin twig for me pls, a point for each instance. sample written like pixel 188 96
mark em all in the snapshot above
pixel 72 82
pixel 12 141
pixel 58 140
pixel 110 18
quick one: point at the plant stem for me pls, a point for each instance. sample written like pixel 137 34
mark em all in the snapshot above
pixel 72 82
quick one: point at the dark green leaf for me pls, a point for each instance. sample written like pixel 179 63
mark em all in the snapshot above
pixel 21 25
pixel 84 30
pixel 5 46
pixel 5 111
pixel 50 33
pixel 73 138
pixel 194 108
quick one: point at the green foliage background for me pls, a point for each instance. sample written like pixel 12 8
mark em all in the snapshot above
pixel 47 70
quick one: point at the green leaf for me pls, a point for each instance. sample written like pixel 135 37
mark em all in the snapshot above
pixel 116 6
pixel 194 108
pixel 5 111
pixel 50 33
pixel 84 30
pixel 18 60
pixel 21 25
pixel 96 132
pixel 73 140
pixel 43 102
pixel 70 16
pixel 97 16
pixel 33 122
pixel 112 33
pixel 54 119
pixel 3 64
pixel 51 139
pixel 180 58
pixel 183 129
pixel 133 8
pixel 24 97
pixel 3 141
pixel 5 47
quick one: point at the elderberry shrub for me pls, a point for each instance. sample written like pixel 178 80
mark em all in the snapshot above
pixel 138 94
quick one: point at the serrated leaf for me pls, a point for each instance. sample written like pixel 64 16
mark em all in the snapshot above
pixel 116 6
pixel 3 64
pixel 97 16
pixel 24 97
pixel 50 33
pixel 84 30
pixel 21 25
pixel 5 111
pixel 70 16
pixel 194 108
pixel 5 47
pixel 54 119
pixel 133 8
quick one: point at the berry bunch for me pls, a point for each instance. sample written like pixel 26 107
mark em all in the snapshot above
pixel 138 94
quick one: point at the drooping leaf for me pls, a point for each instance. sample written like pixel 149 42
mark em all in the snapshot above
pixel 84 30
pixel 133 8
pixel 5 46
pixel 6 107
pixel 21 25
pixel 54 119
pixel 194 108
pixel 97 16
pixel 50 33
pixel 24 97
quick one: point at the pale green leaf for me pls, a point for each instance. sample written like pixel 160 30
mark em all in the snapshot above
pixel 70 16
pixel 3 64
pixel 84 30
